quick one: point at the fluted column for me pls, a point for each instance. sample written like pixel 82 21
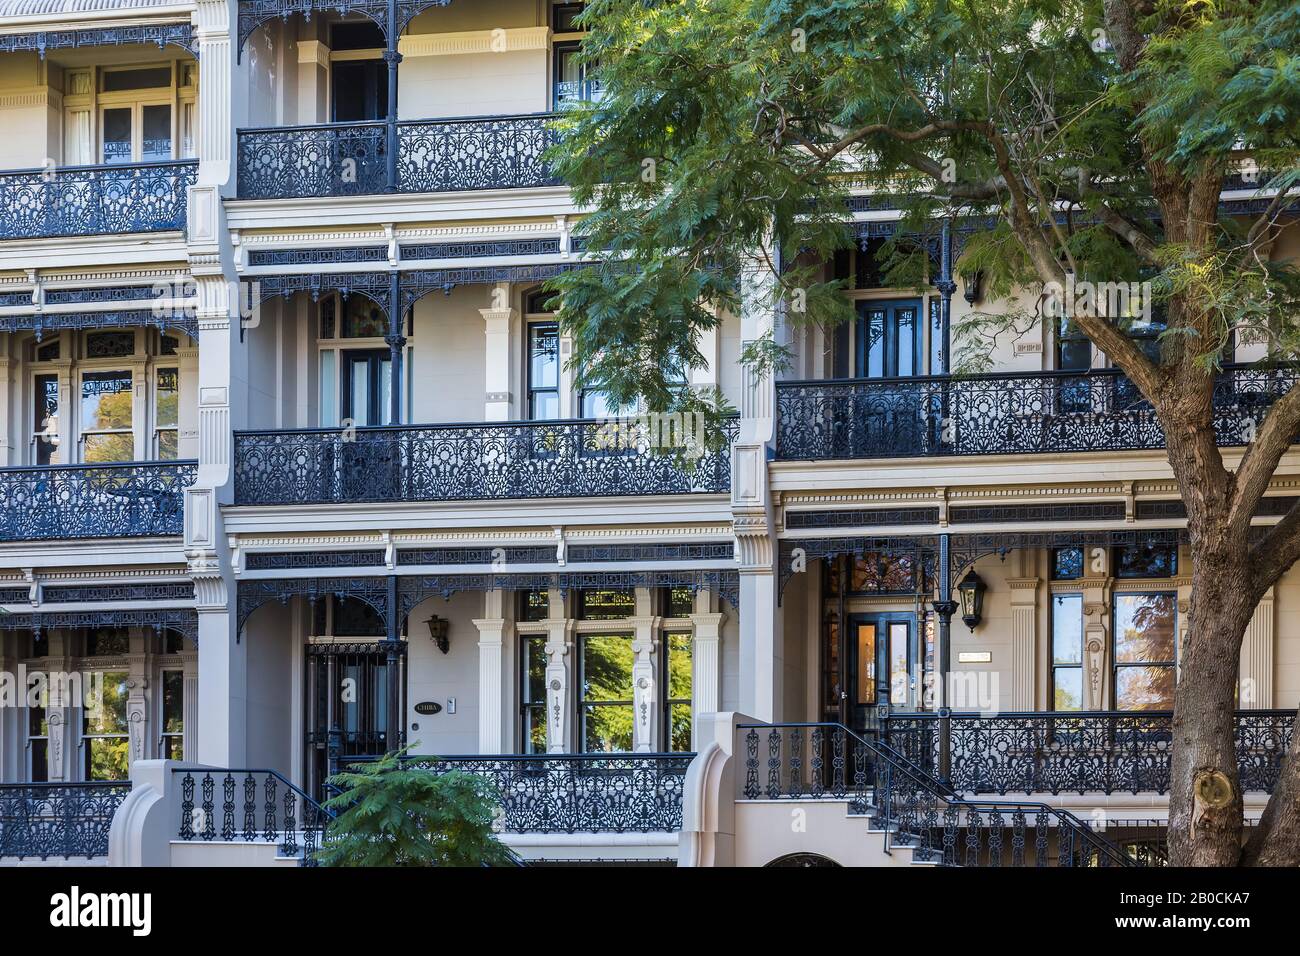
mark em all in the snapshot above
pixel 190 711
pixel 1024 641
pixel 706 661
pixel 492 633
pixel 498 334
pixel 1256 692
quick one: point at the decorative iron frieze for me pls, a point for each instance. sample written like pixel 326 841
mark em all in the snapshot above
pixel 481 249
pixel 350 255
pixel 292 560
pixel 1174 509
pixel 724 551
pixel 181 319
pixel 184 621
pixel 182 35
pixel 526 554
pixel 1072 511
pixel 89 593
pixel 373 285
pixel 252 594
pixel 862 518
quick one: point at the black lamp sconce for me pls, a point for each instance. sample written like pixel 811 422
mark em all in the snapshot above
pixel 973 281
pixel 438 628
pixel 971 592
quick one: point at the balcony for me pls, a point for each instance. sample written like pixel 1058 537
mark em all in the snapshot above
pixel 1078 752
pixel 134 499
pixel 351 159
pixel 94 200
pixel 44 820
pixel 1002 414
pixel 482 461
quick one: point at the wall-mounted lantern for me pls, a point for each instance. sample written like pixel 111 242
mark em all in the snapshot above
pixel 971 591
pixel 438 628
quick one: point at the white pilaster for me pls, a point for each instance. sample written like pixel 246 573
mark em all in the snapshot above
pixel 1256 691
pixel 190 712
pixel 559 687
pixel 1024 641
pixel 706 659
pixel 492 678
pixel 498 334
pixel 645 683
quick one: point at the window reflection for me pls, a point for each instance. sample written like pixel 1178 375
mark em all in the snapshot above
pixel 1144 644
pixel 607 693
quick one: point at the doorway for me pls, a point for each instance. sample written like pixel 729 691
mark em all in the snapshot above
pixel 880 662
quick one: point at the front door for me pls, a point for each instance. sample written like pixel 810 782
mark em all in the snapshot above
pixel 889 338
pixel 880 659
pixel 367 380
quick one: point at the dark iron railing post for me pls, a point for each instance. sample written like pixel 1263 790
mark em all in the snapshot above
pixel 396 343
pixel 945 607
pixel 392 58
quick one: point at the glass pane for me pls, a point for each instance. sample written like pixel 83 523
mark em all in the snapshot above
pixel 187 131
pixel 545 406
pixel 608 604
pixel 105 400
pixel 1144 628
pixel 168 444
pixel 107 641
pixel 173 708
pixel 45 423
pixel 360 400
pixel 106 697
pixel 568 69
pixel 1144 688
pixel 1067 629
pixel 679 666
pixel 898 673
pixel 385 409
pixel 157 124
pixel 875 344
pixel 607 728
pixel 37 723
pixel 1067 682
pixel 140 78
pixel 40 765
pixel 535 729
pixel 106 448
pixel 907 340
pixel 117 135
pixel 167 398
pixel 679 720
pixel 544 356
pixel 106 758
pixel 866 663
pixel 328 400
pixel 607 668
pixel 362 319
pixel 534 649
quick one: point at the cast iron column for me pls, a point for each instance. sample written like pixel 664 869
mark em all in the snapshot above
pixel 944 607
pixel 396 719
pixel 392 58
pixel 396 339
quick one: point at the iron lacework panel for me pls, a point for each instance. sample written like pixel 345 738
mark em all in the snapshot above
pixel 43 820
pixel 95 200
pixel 250 806
pixel 579 793
pixel 351 159
pixel 1044 412
pixel 488 461
pixel 184 621
pixel 182 35
pixel 1082 752
pixel 133 499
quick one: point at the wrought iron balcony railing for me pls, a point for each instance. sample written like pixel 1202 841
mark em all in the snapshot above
pixel 250 806
pixel 94 200
pixel 577 793
pixel 1044 412
pixel 43 820
pixel 1085 752
pixel 349 159
pixel 506 460
pixel 132 499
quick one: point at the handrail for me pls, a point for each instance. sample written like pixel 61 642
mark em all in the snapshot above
pixel 412 426
pixel 97 167
pixel 99 466
pixel 891 763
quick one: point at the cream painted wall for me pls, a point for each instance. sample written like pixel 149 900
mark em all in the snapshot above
pixel 730 657
pixel 30 111
pixel 1286 646
pixel 434 676
pixel 271 640
pixel 473 84
pixel 450 360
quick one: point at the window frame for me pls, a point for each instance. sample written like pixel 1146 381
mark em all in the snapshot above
pixel 1116 666
pixel 1056 599
pixel 580 693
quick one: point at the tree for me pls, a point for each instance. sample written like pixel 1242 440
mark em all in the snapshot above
pixel 389 815
pixel 1090 137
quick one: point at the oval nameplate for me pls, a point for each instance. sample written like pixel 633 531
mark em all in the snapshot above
pixel 428 708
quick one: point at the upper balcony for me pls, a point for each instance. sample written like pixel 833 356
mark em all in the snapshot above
pixel 100 120
pixel 1000 414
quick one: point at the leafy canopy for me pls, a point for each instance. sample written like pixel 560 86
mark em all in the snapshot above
pixel 731 132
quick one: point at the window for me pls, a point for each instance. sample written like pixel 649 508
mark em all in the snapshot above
pixel 563 15
pixel 108 642
pixel 45 420
pixel 104 738
pixel 347 617
pixel 606 683
pixel 172 738
pixel 136 114
pixel 1144 645
pixel 534 605
pixel 106 416
pixel 166 405
pixel 889 339
pixel 1145 562
pixel 575 81
pixel 543 371
pixel 1067 652
pixel 678 674
pixel 359 84
pixel 38 744
pixel 879 573
pixel 1067 564
pixel 677 602
pixel 532 694
pixel 607 604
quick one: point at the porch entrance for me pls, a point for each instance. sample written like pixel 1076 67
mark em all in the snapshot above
pixel 880 663
pixel 348 687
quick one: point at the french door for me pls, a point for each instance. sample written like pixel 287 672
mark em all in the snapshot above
pixel 880 661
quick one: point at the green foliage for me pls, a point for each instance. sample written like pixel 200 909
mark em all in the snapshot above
pixel 731 132
pixel 389 815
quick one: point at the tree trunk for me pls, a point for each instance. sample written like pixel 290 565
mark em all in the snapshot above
pixel 1276 841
